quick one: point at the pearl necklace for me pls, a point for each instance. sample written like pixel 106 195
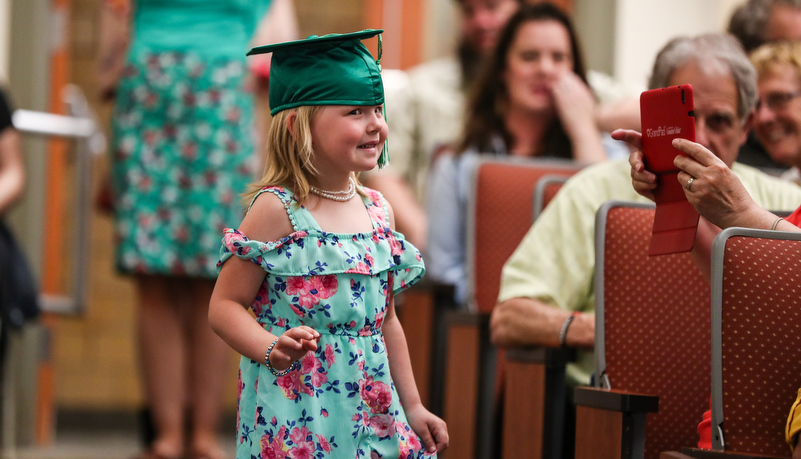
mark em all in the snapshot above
pixel 340 196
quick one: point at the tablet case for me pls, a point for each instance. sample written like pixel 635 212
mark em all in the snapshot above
pixel 667 113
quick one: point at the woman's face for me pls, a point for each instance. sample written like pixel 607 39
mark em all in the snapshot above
pixel 777 121
pixel 539 53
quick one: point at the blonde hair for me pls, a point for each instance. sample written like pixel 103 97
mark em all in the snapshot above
pixel 288 161
pixel 771 54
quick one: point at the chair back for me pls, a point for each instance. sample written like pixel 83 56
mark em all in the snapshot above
pixel 546 189
pixel 756 342
pixel 499 215
pixel 652 325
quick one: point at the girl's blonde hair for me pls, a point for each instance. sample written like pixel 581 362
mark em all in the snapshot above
pixel 288 161
pixel 771 54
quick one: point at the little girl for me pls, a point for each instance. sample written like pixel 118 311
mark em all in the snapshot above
pixel 325 370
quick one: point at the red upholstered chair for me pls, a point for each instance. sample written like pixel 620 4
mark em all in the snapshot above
pixel 652 337
pixel 756 341
pixel 499 216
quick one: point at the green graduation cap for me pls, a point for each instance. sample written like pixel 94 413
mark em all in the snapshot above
pixel 335 69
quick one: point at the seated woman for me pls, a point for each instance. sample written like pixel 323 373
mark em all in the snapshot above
pixel 532 100
pixel 777 119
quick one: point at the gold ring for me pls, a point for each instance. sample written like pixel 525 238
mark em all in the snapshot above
pixel 689 184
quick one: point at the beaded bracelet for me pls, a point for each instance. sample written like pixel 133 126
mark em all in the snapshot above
pixel 269 365
pixel 565 325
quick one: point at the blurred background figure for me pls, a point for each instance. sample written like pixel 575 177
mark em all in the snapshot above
pixel 427 116
pixel 18 289
pixel 182 149
pixel 754 23
pixel 532 100
pixel 777 119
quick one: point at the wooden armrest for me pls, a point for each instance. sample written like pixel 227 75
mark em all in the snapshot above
pixel 673 455
pixel 614 400
pixel 468 318
pixel 551 357
pixel 696 453
pixel 610 423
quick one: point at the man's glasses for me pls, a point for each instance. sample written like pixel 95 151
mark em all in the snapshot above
pixel 777 100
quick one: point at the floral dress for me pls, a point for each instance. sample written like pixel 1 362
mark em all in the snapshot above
pixel 182 134
pixel 341 401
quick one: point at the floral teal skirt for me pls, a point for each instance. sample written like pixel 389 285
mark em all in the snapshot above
pixel 182 153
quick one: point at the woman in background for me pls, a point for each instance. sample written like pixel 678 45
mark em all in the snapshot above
pixel 532 100
pixel 182 148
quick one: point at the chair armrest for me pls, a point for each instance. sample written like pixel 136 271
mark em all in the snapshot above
pixel 611 424
pixel 673 455
pixel 614 400
pixel 696 453
pixel 551 357
pixel 467 318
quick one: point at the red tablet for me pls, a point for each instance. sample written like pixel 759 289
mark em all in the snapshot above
pixel 667 113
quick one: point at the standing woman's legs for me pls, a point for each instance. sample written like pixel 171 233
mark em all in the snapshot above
pixel 208 358
pixel 161 347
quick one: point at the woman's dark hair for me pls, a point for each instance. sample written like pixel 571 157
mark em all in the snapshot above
pixel 485 118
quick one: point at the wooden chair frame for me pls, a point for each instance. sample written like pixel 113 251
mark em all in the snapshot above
pixel 470 394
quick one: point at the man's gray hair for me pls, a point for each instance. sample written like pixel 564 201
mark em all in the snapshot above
pixel 749 22
pixel 721 52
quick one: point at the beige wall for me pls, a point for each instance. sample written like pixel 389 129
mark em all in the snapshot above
pixel 646 25
pixel 5 7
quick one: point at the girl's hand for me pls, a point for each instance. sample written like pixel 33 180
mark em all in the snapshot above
pixel 642 179
pixel 432 430
pixel 575 104
pixel 292 345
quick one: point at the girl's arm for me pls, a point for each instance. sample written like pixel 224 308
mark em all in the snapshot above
pixel 237 285
pixel 575 107
pixel 432 430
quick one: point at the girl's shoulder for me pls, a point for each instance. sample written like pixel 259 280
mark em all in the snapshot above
pixel 380 210
pixel 268 217
pixel 374 196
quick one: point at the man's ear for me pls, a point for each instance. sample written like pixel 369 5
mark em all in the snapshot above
pixel 749 122
pixel 290 122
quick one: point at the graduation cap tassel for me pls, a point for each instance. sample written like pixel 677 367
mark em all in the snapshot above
pixel 383 158
pixel 380 50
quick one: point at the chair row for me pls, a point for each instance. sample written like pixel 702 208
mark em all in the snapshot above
pixel 652 352
pixel 662 350
pixel 463 373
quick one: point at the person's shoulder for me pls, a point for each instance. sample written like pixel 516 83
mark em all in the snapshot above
pixel 595 184
pixel 439 73
pixel 766 189
pixel 372 194
pixel 753 175
pixel 434 67
pixel 268 216
pixel 607 172
pixel 377 199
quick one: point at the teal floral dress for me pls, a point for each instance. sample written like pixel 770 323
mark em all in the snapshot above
pixel 341 401
pixel 182 134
